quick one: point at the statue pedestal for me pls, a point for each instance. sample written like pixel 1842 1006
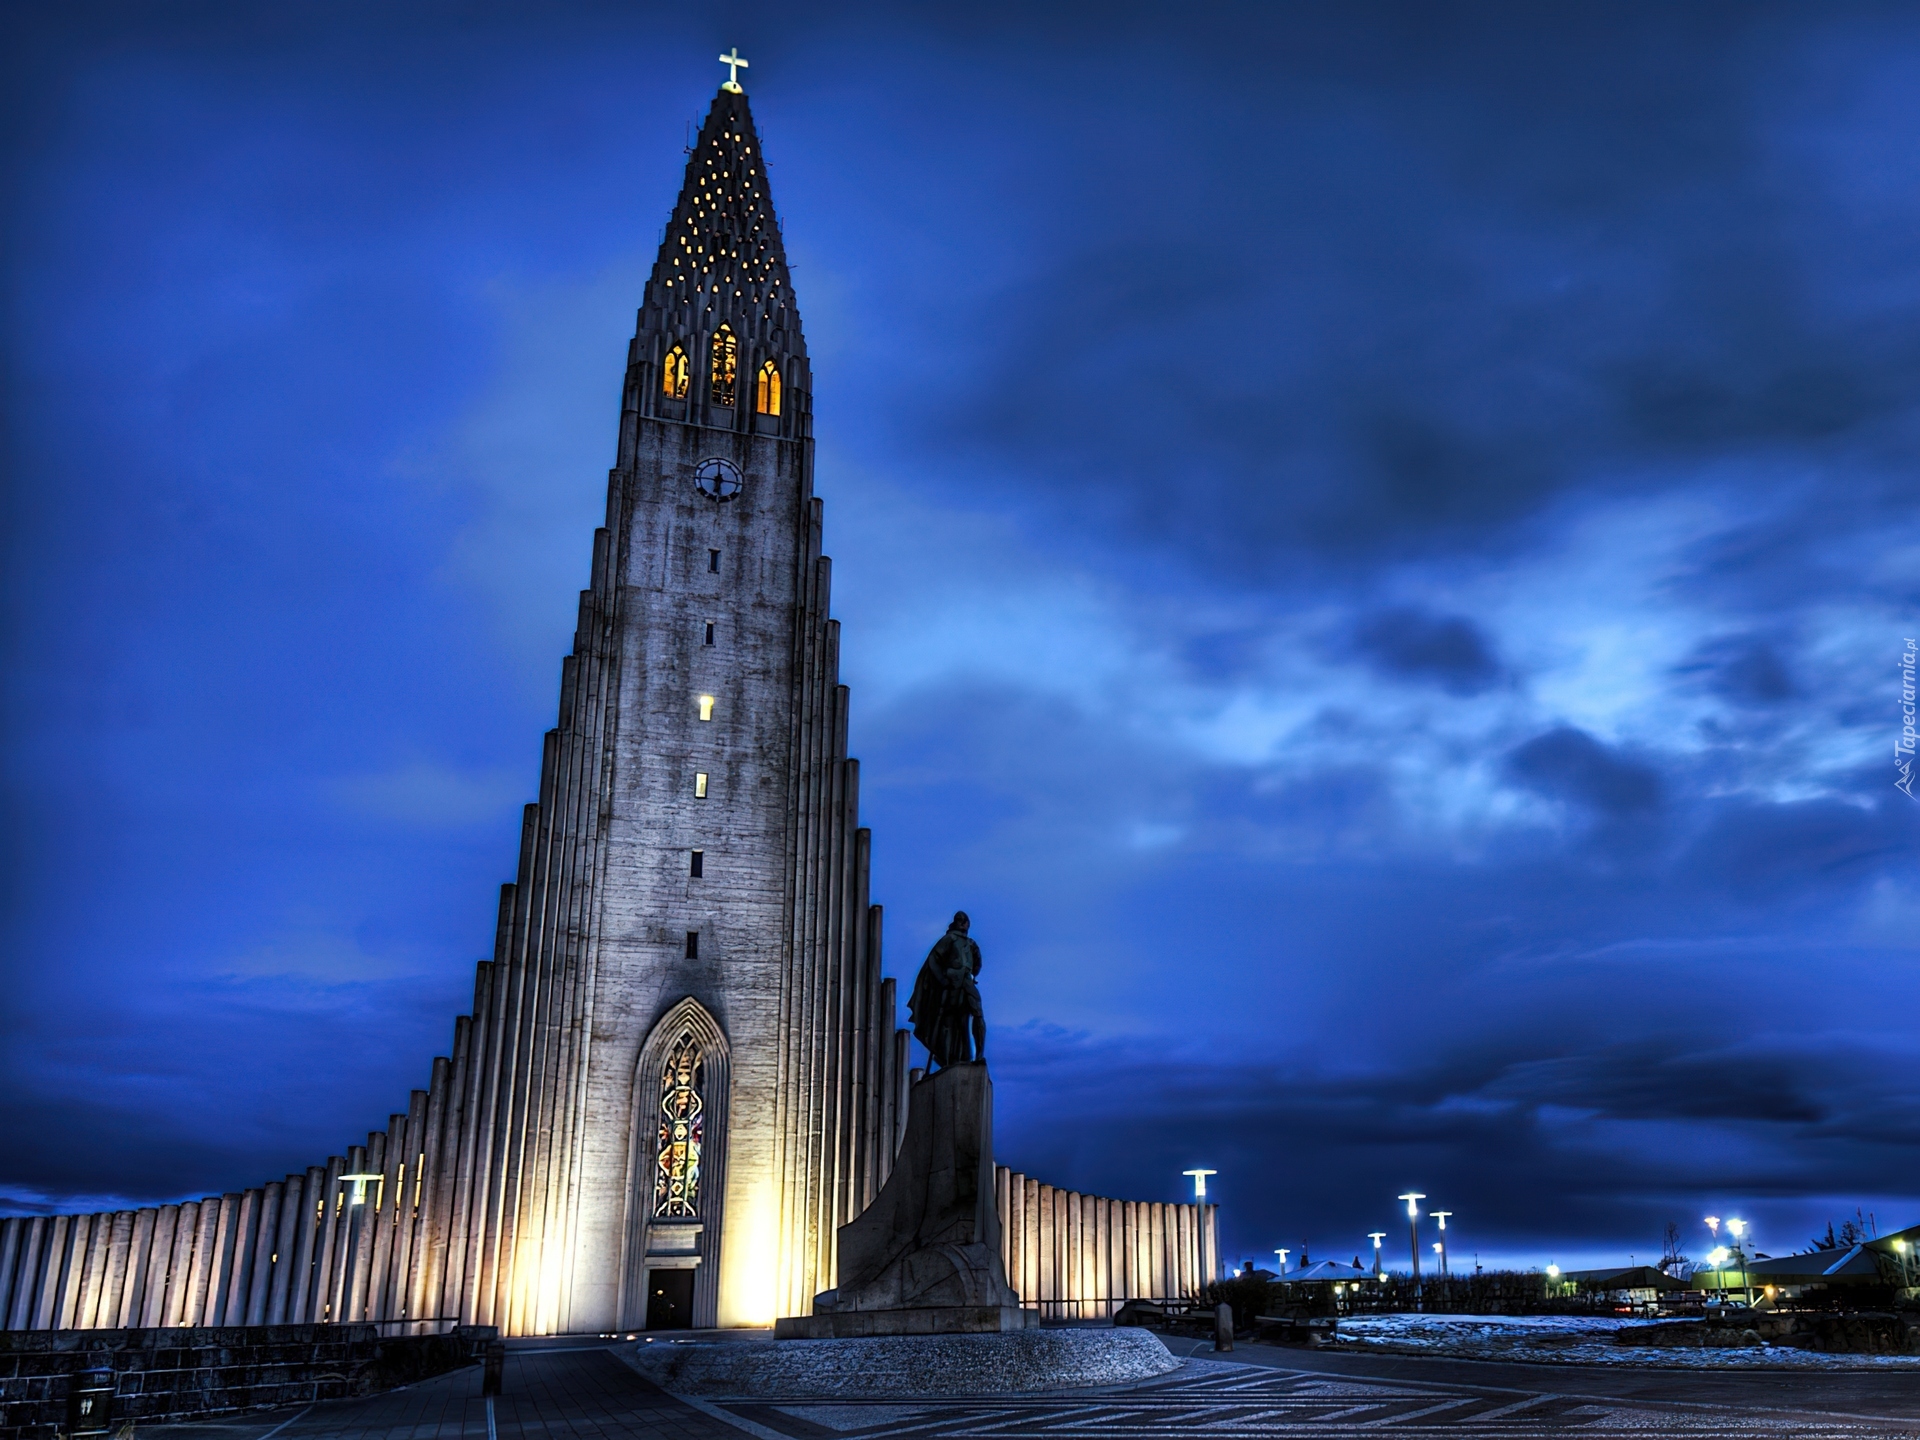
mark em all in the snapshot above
pixel 924 1258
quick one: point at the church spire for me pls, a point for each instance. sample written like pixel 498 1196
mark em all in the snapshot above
pixel 722 260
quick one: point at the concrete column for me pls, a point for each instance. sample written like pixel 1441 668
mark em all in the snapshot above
pixel 133 1295
pixel 407 1211
pixel 300 1291
pixel 346 1240
pixel 72 1271
pixel 93 1277
pixel 196 1310
pixel 19 1312
pixel 220 1273
pixel 11 1232
pixel 385 1209
pixel 158 1258
pixel 436 1201
pixel 326 1245
pixel 286 1226
pixel 246 1244
pixel 180 1264
pixel 266 1233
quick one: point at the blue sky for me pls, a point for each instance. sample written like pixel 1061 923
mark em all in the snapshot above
pixel 1374 546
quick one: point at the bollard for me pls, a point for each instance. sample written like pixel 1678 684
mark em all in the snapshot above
pixel 495 1365
pixel 1223 1326
pixel 90 1403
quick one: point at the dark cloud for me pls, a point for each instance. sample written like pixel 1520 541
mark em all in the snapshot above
pixel 1569 764
pixel 1744 668
pixel 1449 650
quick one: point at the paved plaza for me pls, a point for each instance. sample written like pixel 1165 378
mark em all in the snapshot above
pixel 573 1391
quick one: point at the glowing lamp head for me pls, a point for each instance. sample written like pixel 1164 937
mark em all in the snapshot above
pixel 1553 1272
pixel 1413 1199
pixel 1718 1256
pixel 1736 1228
pixel 1376 1236
pixel 1199 1181
pixel 1713 1224
pixel 359 1196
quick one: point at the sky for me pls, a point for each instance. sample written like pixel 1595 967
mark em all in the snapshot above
pixel 1375 545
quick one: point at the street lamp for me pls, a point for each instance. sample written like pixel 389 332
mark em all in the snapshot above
pixel 1379 1266
pixel 1553 1277
pixel 359 1196
pixel 1199 1182
pixel 1283 1261
pixel 1737 1229
pixel 1713 1224
pixel 1413 1199
pixel 1441 1216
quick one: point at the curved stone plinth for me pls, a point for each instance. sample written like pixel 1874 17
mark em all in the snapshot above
pixel 905 1366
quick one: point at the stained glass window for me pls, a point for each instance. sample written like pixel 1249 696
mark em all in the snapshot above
pixel 673 374
pixel 726 362
pixel 766 392
pixel 676 1176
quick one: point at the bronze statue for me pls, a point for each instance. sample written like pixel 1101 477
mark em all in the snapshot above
pixel 946 1002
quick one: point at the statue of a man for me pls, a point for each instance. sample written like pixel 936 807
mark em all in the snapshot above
pixel 945 1004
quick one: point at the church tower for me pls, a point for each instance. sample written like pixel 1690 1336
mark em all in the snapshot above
pixel 682 1073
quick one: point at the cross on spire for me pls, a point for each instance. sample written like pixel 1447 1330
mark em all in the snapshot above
pixel 734 65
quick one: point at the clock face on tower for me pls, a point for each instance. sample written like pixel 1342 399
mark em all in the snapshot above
pixel 718 479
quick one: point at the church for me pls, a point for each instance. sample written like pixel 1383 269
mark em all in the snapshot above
pixel 682 1071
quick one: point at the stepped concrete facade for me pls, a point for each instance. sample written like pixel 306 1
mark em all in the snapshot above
pixel 682 1072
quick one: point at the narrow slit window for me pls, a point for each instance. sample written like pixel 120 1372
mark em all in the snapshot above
pixel 766 390
pixel 726 363
pixel 673 374
pixel 700 785
pixel 706 707
pixel 699 865
pixel 709 632
pixel 713 562
pixel 693 944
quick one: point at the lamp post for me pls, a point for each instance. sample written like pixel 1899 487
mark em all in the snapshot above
pixel 1738 1229
pixel 1379 1264
pixel 1199 1182
pixel 1413 1199
pixel 1441 1217
pixel 1283 1261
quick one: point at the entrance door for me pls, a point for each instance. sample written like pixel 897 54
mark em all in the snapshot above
pixel 670 1299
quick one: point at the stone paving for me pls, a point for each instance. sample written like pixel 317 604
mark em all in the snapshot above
pixel 561 1393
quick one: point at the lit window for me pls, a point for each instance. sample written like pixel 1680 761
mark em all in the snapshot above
pixel 706 707
pixel 766 390
pixel 726 361
pixel 676 1176
pixel 699 865
pixel 673 374
pixel 700 785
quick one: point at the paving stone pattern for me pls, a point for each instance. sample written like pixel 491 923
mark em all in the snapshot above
pixel 589 1394
pixel 1212 1398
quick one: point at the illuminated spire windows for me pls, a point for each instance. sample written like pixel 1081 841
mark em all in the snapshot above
pixel 766 390
pixel 673 374
pixel 726 366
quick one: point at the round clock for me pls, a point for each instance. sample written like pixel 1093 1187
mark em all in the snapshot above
pixel 718 479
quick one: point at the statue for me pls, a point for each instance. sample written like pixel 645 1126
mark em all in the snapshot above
pixel 946 1002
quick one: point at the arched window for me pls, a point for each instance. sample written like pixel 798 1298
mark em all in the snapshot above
pixel 766 390
pixel 726 361
pixel 676 1174
pixel 673 374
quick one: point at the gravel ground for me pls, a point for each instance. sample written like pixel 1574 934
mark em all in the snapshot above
pixel 919 1366
pixel 1579 1340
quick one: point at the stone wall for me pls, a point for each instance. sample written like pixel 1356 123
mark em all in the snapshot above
pixel 178 1374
